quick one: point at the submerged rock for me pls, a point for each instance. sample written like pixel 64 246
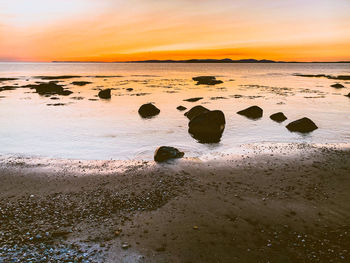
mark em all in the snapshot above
pixel 194 99
pixel 195 111
pixel 105 94
pixel 81 83
pixel 181 108
pixel 50 88
pixel 66 92
pixel 207 80
pixel 77 98
pixel 56 104
pixel 278 117
pixel 7 88
pixel 311 75
pixel 208 126
pixel 303 125
pixel 253 112
pixel 338 86
pixel 148 110
pixel 7 79
pixel 165 153
pixel 340 77
pixel 218 98
pixel 56 77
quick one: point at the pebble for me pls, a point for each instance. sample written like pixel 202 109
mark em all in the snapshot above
pixel 125 245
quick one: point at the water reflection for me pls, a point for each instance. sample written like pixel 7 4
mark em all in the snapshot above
pixel 83 126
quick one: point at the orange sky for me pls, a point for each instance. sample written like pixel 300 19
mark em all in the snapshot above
pixel 120 30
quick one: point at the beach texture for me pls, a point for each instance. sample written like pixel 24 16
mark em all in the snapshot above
pixel 291 204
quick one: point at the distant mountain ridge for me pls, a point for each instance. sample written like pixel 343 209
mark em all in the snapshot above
pixel 225 60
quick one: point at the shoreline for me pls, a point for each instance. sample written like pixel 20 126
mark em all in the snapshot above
pixel 250 149
pixel 252 207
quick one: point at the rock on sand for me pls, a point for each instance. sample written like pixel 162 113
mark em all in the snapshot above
pixel 165 153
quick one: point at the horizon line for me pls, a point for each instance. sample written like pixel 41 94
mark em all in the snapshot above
pixel 192 60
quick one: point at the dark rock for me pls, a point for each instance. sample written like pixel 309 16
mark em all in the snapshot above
pixel 195 111
pixel 194 99
pixel 111 76
pixel 207 80
pixel 338 86
pixel 181 108
pixel 218 98
pixel 311 75
pixel 253 112
pixel 77 98
pixel 278 117
pixel 105 94
pixel 208 126
pixel 204 78
pixel 165 153
pixel 140 94
pixel 56 104
pixel 56 77
pixel 66 92
pixel 7 88
pixel 348 95
pixel 303 125
pixel 342 77
pixel 129 89
pixel 81 83
pixel 50 88
pixel 7 79
pixel 148 110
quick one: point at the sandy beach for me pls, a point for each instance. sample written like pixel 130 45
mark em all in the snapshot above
pixel 282 203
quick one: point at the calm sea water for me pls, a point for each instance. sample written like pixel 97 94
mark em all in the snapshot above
pixel 112 129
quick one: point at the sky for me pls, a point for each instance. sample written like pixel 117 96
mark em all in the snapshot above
pixel 127 30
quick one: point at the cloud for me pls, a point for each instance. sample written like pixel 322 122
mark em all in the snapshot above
pixel 55 30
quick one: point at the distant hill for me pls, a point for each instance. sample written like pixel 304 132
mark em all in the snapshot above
pixel 226 60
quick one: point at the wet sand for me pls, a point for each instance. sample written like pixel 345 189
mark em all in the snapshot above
pixel 288 203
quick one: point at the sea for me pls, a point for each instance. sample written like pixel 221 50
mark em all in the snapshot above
pixel 83 126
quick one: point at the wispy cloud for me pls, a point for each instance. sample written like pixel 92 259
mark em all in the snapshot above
pixel 108 29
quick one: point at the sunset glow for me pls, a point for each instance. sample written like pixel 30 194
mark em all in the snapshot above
pixel 106 30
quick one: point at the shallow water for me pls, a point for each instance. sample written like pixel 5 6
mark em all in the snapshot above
pixel 112 129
